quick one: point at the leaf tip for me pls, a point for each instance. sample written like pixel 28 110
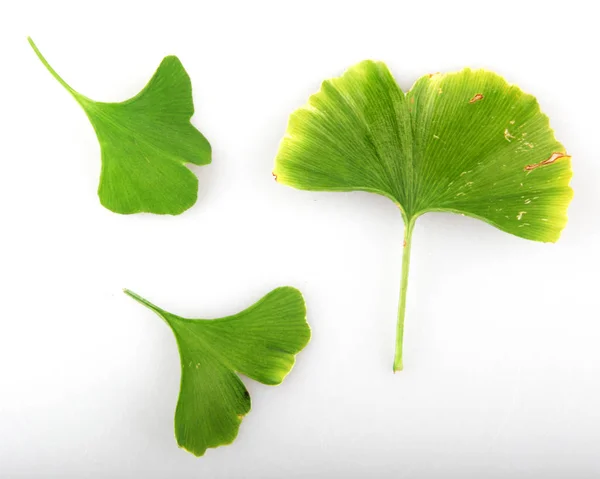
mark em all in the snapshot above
pixel 199 453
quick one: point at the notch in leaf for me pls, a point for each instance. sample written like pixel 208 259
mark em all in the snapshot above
pixel 464 142
pixel 146 142
pixel 260 342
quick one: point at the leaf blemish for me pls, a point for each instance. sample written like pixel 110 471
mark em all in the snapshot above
pixel 274 176
pixel 507 135
pixel 555 156
pixel 520 215
pixel 477 97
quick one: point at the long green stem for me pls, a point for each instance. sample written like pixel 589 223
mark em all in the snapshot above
pixel 408 229
pixel 50 69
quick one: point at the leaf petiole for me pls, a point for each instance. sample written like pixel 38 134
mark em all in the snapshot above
pixel 408 229
pixel 52 70
pixel 144 301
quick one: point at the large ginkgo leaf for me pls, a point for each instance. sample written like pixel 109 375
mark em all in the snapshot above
pixel 465 142
pixel 146 142
pixel 260 342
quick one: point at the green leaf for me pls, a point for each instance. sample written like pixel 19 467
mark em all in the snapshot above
pixel 146 142
pixel 260 342
pixel 464 142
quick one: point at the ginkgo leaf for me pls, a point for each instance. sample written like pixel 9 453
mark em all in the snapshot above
pixel 260 342
pixel 146 142
pixel 465 142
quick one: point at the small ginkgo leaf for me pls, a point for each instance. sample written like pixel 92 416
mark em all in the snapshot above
pixel 464 142
pixel 146 142
pixel 260 342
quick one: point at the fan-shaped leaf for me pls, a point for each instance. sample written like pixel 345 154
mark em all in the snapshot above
pixel 146 142
pixel 260 342
pixel 464 142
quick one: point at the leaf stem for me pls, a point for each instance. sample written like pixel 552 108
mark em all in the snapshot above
pixel 145 302
pixel 51 70
pixel 408 229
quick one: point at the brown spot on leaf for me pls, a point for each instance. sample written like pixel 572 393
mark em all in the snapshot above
pixel 274 175
pixel 477 97
pixel 554 157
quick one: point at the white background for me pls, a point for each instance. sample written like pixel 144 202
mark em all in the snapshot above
pixel 502 344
